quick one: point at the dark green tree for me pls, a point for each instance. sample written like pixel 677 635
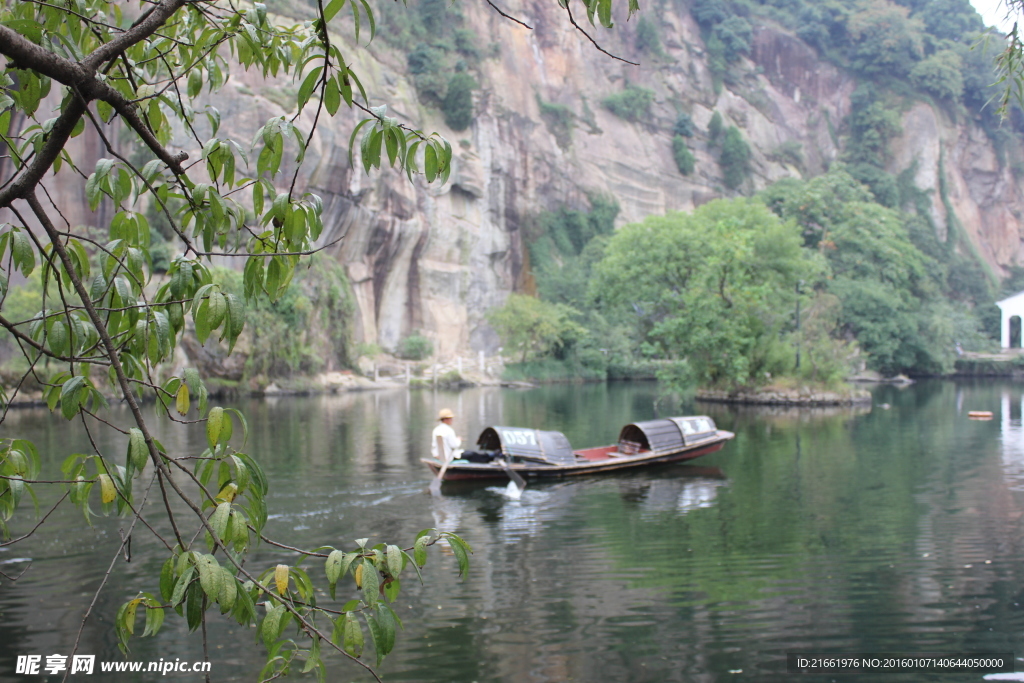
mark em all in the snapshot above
pixel 714 287
pixel 940 75
pixel 684 126
pixel 735 158
pixel 632 103
pixel 458 102
pixel 715 127
pixel 685 161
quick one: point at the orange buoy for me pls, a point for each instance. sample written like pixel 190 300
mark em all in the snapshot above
pixel 980 414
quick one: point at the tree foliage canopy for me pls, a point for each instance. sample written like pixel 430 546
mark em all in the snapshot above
pixel 534 328
pixel 713 287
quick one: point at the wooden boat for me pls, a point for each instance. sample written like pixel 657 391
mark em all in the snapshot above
pixel 534 453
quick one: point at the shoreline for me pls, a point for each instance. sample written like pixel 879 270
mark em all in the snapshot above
pixel 333 383
pixel 801 398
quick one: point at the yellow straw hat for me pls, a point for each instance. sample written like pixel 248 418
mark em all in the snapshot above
pixel 445 414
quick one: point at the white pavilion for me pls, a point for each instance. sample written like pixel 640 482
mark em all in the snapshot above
pixel 1012 307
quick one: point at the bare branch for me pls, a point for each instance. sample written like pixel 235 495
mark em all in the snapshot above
pixel 144 27
pixel 40 522
pixel 508 16
pixel 595 43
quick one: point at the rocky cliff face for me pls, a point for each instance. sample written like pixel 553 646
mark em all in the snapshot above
pixel 435 259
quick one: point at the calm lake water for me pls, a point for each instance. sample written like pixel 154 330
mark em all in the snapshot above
pixel 889 530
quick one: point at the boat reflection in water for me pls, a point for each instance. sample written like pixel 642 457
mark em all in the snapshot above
pixel 675 489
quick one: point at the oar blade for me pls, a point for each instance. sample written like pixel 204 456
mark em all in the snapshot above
pixel 435 486
pixel 516 482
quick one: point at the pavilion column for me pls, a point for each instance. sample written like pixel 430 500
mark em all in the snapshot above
pixel 1005 336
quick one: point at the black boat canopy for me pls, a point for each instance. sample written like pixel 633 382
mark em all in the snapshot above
pixel 667 435
pixel 528 444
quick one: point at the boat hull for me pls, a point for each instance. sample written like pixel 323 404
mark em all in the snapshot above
pixel 530 470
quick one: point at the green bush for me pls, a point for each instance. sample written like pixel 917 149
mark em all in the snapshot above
pixel 736 34
pixel 882 185
pixel 715 127
pixel 647 39
pixel 684 126
pixel 685 160
pixel 884 40
pixel 305 328
pixel 710 12
pixel 429 66
pixel 789 152
pixel 559 120
pixel 735 158
pixel 552 370
pixel 466 44
pixel 872 125
pixel 940 75
pixel 415 347
pixel 458 102
pixel 633 103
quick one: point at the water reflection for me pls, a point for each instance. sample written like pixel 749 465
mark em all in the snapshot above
pixel 839 530
pixel 1012 437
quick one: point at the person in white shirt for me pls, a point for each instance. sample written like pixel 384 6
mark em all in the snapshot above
pixel 450 440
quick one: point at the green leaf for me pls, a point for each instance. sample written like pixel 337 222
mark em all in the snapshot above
pixel 272 625
pixel 210 574
pixel 333 568
pixel 167 579
pixel 192 380
pixel 228 591
pixel 195 82
pixel 219 521
pixel 394 554
pixel 353 635
pixel 332 8
pixel 181 585
pixel 202 321
pixel 332 96
pixel 138 452
pixel 371 583
pixel 392 589
pixel 461 549
pixel 308 84
pixel 129 615
pixel 430 163
pixel 385 617
pixel 154 620
pixel 22 252
pixel 194 598
pixel 376 636
pixel 71 396
pixel 58 338
pixel 218 309
pixel 214 424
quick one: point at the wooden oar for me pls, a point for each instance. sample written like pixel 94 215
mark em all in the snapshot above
pixel 435 486
pixel 514 477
